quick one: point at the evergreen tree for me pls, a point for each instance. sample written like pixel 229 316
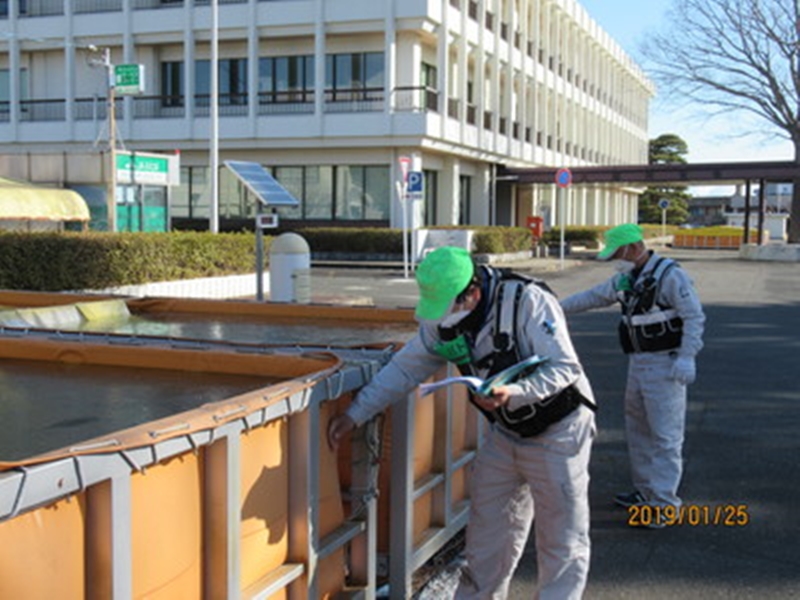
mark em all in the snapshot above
pixel 735 57
pixel 666 149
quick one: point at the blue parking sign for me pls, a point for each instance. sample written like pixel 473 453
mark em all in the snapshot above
pixel 414 182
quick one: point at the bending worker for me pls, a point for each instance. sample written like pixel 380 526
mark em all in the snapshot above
pixel 535 456
pixel 661 332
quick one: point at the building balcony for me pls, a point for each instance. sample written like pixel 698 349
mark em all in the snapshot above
pixel 358 113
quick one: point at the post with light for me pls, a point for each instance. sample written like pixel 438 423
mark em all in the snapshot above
pixel 111 194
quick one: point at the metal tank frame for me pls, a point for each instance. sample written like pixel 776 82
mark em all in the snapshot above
pixel 406 554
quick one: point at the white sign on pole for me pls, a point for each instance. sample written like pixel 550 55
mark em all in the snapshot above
pixel 405 166
pixel 401 195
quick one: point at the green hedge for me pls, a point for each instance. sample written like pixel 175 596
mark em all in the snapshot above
pixel 591 236
pixel 95 260
pixel 353 240
pixel 70 261
pixel 487 239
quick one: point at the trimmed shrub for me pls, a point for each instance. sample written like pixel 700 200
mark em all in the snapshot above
pixel 69 261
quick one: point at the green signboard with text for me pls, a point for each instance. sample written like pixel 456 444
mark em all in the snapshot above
pixel 129 79
pixel 147 169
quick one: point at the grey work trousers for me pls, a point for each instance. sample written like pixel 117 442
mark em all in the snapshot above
pixel 512 481
pixel 655 420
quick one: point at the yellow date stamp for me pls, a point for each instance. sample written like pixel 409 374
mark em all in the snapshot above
pixel 689 515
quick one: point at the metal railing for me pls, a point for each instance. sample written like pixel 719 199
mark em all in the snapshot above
pixel 158 107
pixel 406 99
pixel 39 8
pixel 229 105
pixel 282 103
pixel 96 6
pixel 42 110
pixel 354 100
pixel 416 98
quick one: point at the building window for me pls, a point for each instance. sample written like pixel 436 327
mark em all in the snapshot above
pixel 318 199
pixel 172 83
pixel 235 200
pixel 429 205
pixel 340 193
pixel 362 192
pixel 430 86
pixel 325 192
pixel 291 178
pixel 464 200
pixel 354 76
pixel 232 76
pixel 190 199
pixel 286 79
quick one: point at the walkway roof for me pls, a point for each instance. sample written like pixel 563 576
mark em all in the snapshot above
pixel 24 201
pixel 667 175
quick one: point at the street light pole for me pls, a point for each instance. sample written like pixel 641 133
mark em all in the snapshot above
pixel 111 194
pixel 213 215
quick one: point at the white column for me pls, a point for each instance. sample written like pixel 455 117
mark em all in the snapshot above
pixel 319 63
pixel 252 66
pixel 449 192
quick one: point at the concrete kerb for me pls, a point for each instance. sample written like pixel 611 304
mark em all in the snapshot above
pixel 777 252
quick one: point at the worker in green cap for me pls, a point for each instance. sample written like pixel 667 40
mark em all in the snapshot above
pixel 661 331
pixel 535 456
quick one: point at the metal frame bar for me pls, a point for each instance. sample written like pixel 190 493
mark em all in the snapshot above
pixel 109 499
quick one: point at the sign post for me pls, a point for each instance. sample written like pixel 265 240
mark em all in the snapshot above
pixel 663 204
pixel 563 181
pixel 402 188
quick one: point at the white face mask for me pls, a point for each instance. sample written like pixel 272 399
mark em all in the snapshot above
pixel 454 318
pixel 624 266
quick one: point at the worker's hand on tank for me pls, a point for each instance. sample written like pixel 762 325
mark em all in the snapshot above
pixel 339 427
pixel 499 396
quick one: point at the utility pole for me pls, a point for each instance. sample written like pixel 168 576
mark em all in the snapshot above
pixel 111 191
pixel 213 115
pixel 111 203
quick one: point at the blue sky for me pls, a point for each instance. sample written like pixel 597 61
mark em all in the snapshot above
pixel 629 22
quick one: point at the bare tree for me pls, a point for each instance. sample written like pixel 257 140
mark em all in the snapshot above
pixel 736 55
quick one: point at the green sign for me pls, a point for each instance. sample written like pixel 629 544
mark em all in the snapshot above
pixel 129 79
pixel 142 169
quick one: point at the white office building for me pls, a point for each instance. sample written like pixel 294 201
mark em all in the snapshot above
pixel 332 96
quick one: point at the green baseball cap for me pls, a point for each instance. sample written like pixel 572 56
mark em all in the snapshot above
pixel 619 236
pixel 441 276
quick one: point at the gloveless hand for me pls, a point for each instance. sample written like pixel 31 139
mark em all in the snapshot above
pixel 499 397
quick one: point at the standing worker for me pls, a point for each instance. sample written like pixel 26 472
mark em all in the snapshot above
pixel 661 332
pixel 536 453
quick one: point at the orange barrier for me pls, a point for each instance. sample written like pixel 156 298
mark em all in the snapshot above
pixel 718 242
pixel 42 552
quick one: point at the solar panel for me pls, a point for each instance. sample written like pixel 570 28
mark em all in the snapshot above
pixel 258 180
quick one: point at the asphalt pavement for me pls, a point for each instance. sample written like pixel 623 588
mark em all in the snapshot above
pixel 742 451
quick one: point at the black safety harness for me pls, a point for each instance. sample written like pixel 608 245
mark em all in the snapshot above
pixel 646 324
pixel 529 420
